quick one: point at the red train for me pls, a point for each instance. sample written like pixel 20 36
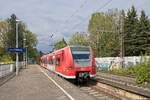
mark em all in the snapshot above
pixel 71 62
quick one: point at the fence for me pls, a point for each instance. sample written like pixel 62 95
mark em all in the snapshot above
pixel 6 69
pixel 107 63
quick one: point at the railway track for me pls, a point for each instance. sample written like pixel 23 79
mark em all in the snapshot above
pixel 114 87
pixel 105 91
pixel 127 84
pixel 93 89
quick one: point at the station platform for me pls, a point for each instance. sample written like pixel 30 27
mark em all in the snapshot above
pixel 36 83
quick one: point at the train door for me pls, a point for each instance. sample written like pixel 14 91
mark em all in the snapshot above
pixel 45 61
pixel 53 63
pixel 49 63
pixel 57 64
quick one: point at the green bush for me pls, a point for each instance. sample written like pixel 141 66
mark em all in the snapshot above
pixel 132 70
pixel 6 59
pixel 125 71
pixel 121 71
pixel 143 73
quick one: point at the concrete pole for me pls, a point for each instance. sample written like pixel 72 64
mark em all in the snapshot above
pixel 121 33
pixel 17 58
pixel 24 53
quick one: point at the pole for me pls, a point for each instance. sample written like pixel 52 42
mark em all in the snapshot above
pixel 121 38
pixel 17 68
pixel 98 50
pixel 24 53
pixel 24 46
pixel 100 32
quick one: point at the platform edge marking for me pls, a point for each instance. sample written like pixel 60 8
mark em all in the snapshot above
pixel 57 84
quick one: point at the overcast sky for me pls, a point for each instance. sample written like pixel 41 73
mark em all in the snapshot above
pixel 63 17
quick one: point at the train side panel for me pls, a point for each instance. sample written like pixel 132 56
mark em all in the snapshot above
pixel 93 69
pixel 50 64
pixel 63 63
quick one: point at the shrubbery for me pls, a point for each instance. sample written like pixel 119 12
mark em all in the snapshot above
pixel 6 59
pixel 141 72
pixel 125 71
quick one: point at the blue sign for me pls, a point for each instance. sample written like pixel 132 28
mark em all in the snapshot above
pixel 16 49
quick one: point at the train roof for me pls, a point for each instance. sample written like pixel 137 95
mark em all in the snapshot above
pixel 78 46
pixel 69 47
pixel 63 49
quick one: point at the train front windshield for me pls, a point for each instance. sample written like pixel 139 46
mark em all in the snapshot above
pixel 81 56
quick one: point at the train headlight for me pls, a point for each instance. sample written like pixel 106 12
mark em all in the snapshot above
pixel 94 67
pixel 70 68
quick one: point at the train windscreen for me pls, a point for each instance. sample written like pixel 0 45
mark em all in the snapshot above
pixel 81 56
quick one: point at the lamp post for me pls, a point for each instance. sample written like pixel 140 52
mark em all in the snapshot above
pixel 51 36
pixel 17 58
pixel 24 54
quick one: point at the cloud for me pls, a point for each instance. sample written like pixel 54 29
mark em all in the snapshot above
pixel 45 17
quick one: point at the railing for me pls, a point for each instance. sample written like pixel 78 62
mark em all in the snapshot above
pixel 6 69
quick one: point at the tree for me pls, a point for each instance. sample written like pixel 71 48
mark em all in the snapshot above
pixel 11 35
pixel 31 43
pixel 4 27
pixel 143 36
pixel 11 41
pixel 103 35
pixel 60 44
pixel 130 33
pixel 137 33
pixel 8 37
pixel 79 39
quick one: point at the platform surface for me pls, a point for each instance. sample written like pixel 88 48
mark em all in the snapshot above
pixel 33 84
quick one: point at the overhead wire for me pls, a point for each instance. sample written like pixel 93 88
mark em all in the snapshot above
pixel 75 12
pixel 138 6
pixel 81 6
pixel 106 5
pixel 143 4
pixel 103 6
pixel 72 15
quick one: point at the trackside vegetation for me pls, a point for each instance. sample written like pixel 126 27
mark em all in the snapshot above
pixel 141 72
pixel 6 59
pixel 26 39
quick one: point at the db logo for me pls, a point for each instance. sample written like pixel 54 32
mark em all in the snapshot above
pixel 82 68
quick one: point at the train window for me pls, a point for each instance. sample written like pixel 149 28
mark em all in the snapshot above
pixel 62 57
pixel 52 61
pixel 58 62
pixel 48 61
pixel 44 61
pixel 81 56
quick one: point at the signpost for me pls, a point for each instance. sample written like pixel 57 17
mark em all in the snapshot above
pixel 16 49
